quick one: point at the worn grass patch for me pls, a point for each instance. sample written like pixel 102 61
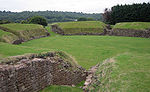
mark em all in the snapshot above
pixel 133 25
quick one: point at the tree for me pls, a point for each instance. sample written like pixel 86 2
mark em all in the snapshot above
pixel 127 13
pixel 4 22
pixel 38 20
pixel 82 19
pixel 107 16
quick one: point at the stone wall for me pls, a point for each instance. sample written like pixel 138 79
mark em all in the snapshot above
pixel 34 72
pixel 57 29
pixel 130 33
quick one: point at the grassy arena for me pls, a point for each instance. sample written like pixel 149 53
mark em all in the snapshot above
pixel 132 57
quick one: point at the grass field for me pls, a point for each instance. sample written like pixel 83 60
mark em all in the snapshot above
pixel 82 27
pixel 132 57
pixel 133 25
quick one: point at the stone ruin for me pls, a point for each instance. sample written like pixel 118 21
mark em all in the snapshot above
pixel 110 32
pixel 31 73
pixel 130 33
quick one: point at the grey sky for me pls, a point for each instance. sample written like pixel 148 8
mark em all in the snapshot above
pixel 86 6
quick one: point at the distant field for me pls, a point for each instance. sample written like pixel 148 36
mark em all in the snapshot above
pixel 82 27
pixel 133 25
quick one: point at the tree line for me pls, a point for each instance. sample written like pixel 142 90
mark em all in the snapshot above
pixel 127 13
pixel 51 16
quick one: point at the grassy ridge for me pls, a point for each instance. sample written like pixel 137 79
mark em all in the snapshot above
pixel 21 27
pixel 133 25
pixel 82 24
pixel 25 32
pixel 82 27
pixel 7 37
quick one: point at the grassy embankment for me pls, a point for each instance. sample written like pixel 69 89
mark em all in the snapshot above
pixel 132 57
pixel 79 27
pixel 23 31
pixel 132 25
pixel 7 37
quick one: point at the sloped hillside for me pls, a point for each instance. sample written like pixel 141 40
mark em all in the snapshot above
pixel 23 32
pixel 8 37
pixel 79 28
pixel 132 29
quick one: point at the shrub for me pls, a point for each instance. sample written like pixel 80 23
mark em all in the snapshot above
pixel 38 20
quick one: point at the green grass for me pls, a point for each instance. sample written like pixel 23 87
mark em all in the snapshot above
pixel 21 27
pixel 82 27
pixel 25 31
pixel 3 33
pixel 133 25
pixel 132 56
pixel 129 73
pixel 82 24
pixel 132 73
pixel 52 34
pixel 7 37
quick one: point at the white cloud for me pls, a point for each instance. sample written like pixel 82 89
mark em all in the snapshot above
pixel 89 6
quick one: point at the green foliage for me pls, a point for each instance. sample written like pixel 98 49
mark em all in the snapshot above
pixel 38 20
pixel 4 22
pixel 133 25
pixel 51 16
pixel 129 13
pixel 82 19
pixel 85 19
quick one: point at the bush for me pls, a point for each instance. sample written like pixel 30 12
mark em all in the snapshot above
pixel 38 20
pixel 4 22
pixel 82 19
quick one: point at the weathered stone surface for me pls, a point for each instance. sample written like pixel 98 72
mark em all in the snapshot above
pixel 37 72
pixel 130 33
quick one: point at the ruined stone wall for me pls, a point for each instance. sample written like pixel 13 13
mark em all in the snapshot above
pixel 31 74
pixel 130 33
pixel 57 30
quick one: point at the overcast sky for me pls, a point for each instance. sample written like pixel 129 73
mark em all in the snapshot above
pixel 86 6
